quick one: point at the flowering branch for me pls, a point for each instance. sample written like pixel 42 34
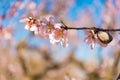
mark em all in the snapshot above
pixel 56 31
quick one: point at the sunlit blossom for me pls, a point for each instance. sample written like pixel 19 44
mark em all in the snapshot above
pixel 47 27
pixel 30 23
pixel 59 35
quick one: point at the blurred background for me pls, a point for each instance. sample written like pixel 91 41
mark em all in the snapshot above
pixel 24 56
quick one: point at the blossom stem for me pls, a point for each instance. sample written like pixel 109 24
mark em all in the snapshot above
pixel 86 28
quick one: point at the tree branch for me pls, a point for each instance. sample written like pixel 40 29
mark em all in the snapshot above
pixel 87 28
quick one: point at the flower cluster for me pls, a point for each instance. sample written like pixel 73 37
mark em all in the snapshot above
pixel 47 27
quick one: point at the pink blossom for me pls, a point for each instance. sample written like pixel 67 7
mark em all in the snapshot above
pixel 6 32
pixel 14 8
pixel 93 39
pixel 59 35
pixel 30 23
pixel 47 27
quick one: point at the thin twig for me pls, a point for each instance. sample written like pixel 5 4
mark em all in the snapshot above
pixel 86 28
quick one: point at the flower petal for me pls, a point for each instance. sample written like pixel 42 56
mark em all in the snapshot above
pixel 27 27
pixel 93 45
pixel 58 25
pixel 64 42
pixel 24 20
pixel 33 28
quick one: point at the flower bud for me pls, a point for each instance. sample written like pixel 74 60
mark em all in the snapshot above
pixel 104 37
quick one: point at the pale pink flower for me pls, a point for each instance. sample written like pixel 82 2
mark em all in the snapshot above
pixel 90 38
pixel 42 32
pixel 30 23
pixel 46 25
pixel 93 39
pixel 49 21
pixel 59 35
pixel 42 29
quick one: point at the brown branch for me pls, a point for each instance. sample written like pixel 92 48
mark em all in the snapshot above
pixel 87 28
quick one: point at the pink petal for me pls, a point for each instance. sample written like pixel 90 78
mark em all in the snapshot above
pixel 27 27
pixel 88 40
pixel 93 45
pixel 24 20
pixel 33 28
pixel 36 33
pixel 58 25
pixel 52 39
pixel 64 42
pixel 50 18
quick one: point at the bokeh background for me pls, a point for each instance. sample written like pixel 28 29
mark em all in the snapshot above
pixel 23 56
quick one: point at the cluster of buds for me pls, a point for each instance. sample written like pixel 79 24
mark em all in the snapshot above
pixel 48 28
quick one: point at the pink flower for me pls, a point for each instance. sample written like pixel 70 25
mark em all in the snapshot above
pixel 93 39
pixel 30 23
pixel 49 21
pixel 59 35
pixel 47 27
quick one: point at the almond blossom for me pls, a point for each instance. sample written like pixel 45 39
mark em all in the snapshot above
pixel 93 39
pixel 59 35
pixel 30 23
pixel 47 27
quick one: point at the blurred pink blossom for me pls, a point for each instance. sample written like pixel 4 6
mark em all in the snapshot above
pixel 6 33
pixel 14 8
